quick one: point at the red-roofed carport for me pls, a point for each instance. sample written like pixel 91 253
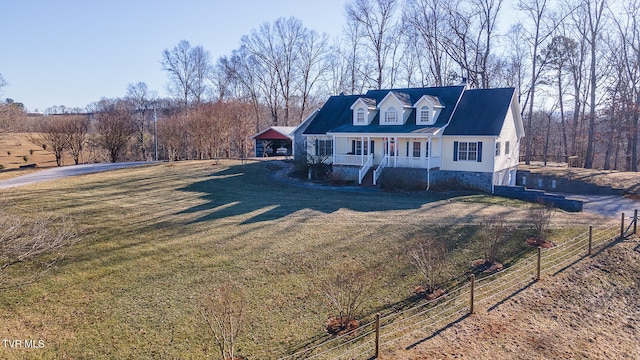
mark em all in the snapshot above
pixel 274 141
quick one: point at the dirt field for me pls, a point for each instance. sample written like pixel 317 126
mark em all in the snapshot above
pixel 17 150
pixel 14 147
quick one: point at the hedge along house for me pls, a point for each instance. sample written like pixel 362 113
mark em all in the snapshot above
pixel 274 141
pixel 420 136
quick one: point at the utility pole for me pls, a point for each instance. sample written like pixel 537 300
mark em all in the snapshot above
pixel 155 134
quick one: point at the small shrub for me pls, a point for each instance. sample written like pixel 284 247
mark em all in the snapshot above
pixel 8 153
pixel 1 167
pixel 540 217
pixel 347 293
pixel 493 232
pixel 31 151
pixel 222 312
pixel 429 259
pixel 25 158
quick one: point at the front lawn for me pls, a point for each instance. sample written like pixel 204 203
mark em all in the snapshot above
pixel 156 238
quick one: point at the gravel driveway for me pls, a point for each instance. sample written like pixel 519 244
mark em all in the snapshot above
pixel 64 171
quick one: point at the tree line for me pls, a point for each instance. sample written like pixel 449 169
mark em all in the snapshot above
pixel 576 64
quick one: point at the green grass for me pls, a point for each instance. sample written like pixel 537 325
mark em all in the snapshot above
pixel 156 238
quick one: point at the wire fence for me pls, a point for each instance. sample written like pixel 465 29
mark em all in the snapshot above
pixel 428 318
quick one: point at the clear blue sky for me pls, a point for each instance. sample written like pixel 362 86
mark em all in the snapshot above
pixel 74 52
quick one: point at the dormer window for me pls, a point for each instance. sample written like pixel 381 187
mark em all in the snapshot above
pixel 425 115
pixel 364 110
pixel 427 109
pixel 391 116
pixel 360 116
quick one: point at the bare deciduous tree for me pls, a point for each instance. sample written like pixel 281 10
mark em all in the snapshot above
pixel 429 259
pixel 380 29
pixel 493 232
pixel 537 11
pixel 141 98
pixel 428 17
pixel 283 62
pixel 540 217
pixel 347 292
pixel 53 136
pixel 188 68
pixel 115 127
pixel 222 311
pixel 77 129
pixel 469 37
pixel 592 13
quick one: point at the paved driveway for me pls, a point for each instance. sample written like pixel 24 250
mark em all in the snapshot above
pixel 64 171
pixel 607 205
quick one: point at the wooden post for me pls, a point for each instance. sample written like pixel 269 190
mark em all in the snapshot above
pixel 635 220
pixel 538 267
pixel 473 285
pixel 622 227
pixel 590 238
pixel 377 352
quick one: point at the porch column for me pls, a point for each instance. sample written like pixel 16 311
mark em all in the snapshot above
pixel 396 151
pixel 428 154
pixel 361 151
pixel 333 149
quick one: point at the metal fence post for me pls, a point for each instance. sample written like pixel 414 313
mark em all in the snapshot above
pixel 473 285
pixel 590 239
pixel 622 227
pixel 377 352
pixel 538 267
pixel 635 221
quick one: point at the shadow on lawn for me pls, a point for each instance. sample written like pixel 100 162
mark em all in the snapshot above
pixel 250 191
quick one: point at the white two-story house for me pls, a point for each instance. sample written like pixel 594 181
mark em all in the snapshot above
pixel 433 136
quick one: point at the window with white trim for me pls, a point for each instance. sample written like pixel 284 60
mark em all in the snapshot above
pixel 356 147
pixel 498 146
pixel 324 147
pixel 391 116
pixel 506 148
pixel 360 116
pixel 424 115
pixel 416 149
pixel 467 151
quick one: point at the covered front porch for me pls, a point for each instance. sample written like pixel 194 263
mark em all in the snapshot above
pixel 379 152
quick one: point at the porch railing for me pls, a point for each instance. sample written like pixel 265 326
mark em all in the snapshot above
pixel 376 174
pixel 365 168
pixel 418 163
pixel 343 159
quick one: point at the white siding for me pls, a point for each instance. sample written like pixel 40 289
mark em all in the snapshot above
pixel 508 134
pixel 488 152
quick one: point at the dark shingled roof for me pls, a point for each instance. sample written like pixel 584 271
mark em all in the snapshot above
pixel 404 98
pixel 336 115
pixel 335 112
pixel 481 112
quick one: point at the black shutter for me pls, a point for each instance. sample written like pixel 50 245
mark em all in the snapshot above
pixel 371 147
pixel 353 147
pixel 455 151
pixel 479 151
pixel 317 147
